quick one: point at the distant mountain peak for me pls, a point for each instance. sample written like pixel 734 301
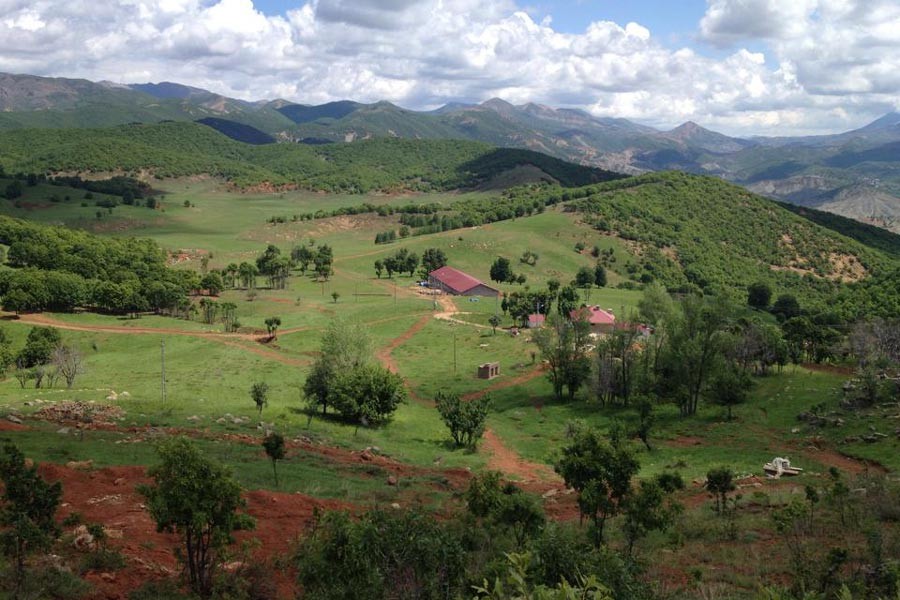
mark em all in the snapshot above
pixel 690 128
pixel 888 121
pixel 498 104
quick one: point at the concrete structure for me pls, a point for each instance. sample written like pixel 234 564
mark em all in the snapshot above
pixel 488 370
pixel 454 281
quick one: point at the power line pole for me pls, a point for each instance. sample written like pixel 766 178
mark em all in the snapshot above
pixel 454 352
pixel 162 348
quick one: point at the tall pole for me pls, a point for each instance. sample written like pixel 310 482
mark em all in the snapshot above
pixel 162 348
pixel 454 352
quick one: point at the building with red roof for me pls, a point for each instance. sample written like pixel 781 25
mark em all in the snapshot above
pixel 536 320
pixel 454 281
pixel 601 321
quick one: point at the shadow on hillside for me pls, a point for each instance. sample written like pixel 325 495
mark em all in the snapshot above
pixel 538 167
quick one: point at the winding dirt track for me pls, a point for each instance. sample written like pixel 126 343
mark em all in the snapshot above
pixel 509 462
pixel 248 342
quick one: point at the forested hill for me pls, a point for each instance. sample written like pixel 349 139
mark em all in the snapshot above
pixel 687 230
pixel 177 149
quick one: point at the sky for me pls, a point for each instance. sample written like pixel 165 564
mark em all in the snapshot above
pixel 742 67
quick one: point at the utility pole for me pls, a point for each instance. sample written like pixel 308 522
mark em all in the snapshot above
pixel 454 352
pixel 162 348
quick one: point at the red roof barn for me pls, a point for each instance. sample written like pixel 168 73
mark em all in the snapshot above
pixel 602 321
pixel 458 283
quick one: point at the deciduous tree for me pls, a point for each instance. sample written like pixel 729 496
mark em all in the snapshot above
pixel 464 418
pixel 27 511
pixel 197 499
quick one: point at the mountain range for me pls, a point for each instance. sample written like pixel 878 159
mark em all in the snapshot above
pixel 855 174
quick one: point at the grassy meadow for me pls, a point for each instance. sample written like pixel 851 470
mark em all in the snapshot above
pixel 209 373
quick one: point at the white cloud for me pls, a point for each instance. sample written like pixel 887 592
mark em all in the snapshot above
pixel 827 64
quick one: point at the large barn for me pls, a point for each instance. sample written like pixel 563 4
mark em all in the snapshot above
pixel 454 281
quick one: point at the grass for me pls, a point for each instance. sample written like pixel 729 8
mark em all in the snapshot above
pixel 208 377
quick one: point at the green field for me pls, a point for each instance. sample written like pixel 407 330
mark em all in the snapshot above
pixel 208 373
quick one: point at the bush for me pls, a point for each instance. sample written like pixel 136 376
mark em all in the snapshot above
pixel 464 419
pixel 381 555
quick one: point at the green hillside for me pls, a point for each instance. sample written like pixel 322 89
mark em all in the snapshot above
pixel 695 231
pixel 179 149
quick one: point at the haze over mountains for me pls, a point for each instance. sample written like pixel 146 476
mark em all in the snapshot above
pixel 855 174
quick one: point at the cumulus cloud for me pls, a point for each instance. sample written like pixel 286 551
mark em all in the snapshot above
pixel 828 64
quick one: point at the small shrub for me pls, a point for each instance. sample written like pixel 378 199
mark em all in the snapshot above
pixel 102 559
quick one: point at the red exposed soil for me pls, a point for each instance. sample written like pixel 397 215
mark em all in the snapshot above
pixel 684 441
pixel 10 426
pixel 508 462
pixel 108 496
pixel 832 369
pixel 845 463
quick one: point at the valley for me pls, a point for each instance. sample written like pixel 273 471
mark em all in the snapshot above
pixel 106 426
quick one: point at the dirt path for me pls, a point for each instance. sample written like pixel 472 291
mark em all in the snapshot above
pixel 509 462
pixel 384 355
pixel 520 379
pixel 251 343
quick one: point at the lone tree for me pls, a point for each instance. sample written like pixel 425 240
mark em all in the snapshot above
pixel 730 387
pixel 432 260
pixel 759 295
pixel 69 363
pixel 564 345
pixel 197 499
pixel 259 392
pixel 367 394
pixel 501 271
pixel 599 275
pixel 719 482
pixel 27 507
pixel 464 419
pixel 345 347
pixel 600 472
pixel 495 321
pixel 272 325
pixel 274 445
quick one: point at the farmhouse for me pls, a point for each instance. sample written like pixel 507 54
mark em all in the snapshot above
pixel 453 281
pixel 601 321
pixel 536 320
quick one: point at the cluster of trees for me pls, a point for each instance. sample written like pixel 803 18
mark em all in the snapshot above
pixel 345 378
pixel 274 266
pixel 386 237
pixel 502 272
pixel 60 269
pixel 131 191
pixel 409 213
pixel 699 348
pixel 402 261
pixel 502 546
pixel 44 359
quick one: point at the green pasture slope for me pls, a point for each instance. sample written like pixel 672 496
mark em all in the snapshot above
pixel 209 378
